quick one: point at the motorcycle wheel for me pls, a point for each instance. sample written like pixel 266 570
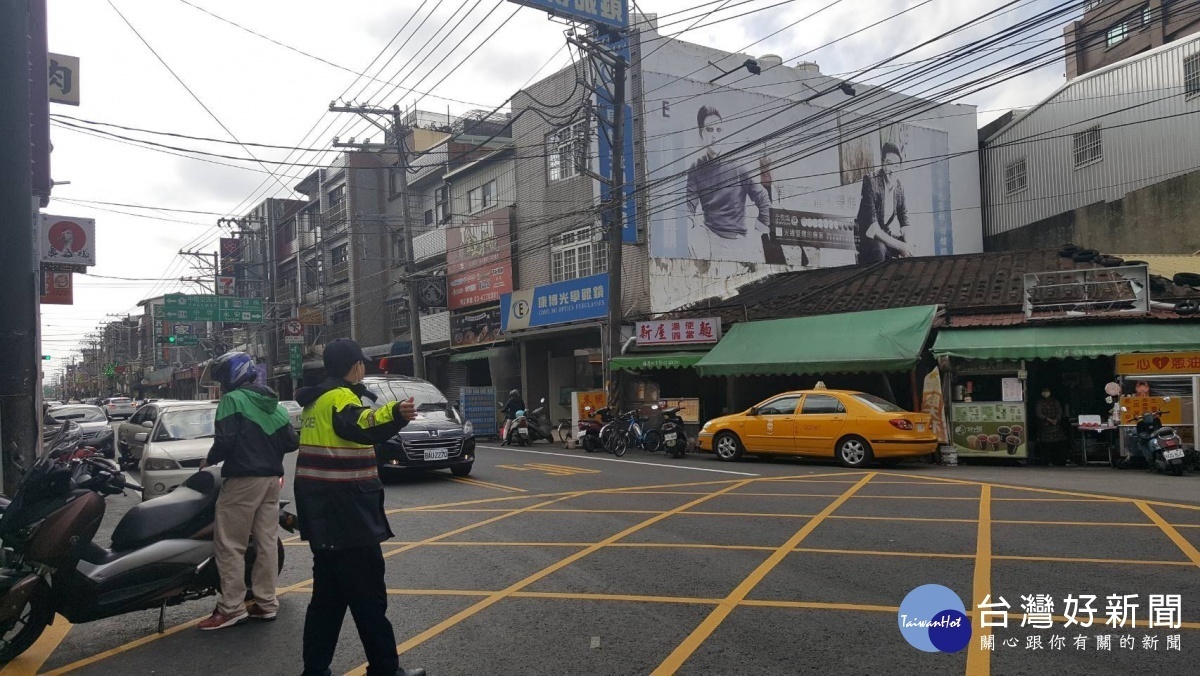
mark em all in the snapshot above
pixel 590 444
pixel 1177 470
pixel 20 634
pixel 523 440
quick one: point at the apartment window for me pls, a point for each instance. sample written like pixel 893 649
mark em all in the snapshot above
pixel 1117 34
pixel 482 197
pixel 393 182
pixel 428 217
pixel 1191 75
pixel 340 254
pixel 1147 16
pixel 441 207
pixel 1087 147
pixel 566 150
pixel 336 196
pixel 341 316
pixel 288 231
pixel 1015 178
pixel 576 254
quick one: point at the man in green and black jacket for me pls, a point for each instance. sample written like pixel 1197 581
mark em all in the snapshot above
pixel 253 432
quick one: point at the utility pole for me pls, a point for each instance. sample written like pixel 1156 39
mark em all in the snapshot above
pixel 19 363
pixel 399 135
pixel 605 56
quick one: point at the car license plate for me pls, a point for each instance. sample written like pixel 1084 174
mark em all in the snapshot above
pixel 1173 455
pixel 670 436
pixel 437 454
pixel 920 427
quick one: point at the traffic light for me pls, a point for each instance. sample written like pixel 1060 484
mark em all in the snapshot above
pixel 46 357
pixel 170 340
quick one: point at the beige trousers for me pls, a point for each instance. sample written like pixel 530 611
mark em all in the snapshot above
pixel 247 507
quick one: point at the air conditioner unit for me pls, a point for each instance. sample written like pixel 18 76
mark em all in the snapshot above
pixel 177 364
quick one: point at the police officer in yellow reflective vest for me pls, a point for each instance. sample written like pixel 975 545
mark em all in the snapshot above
pixel 339 500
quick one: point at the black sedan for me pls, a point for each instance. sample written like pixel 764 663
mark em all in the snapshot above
pixel 92 420
pixel 438 439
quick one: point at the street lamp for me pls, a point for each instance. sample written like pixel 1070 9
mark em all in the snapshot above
pixel 749 64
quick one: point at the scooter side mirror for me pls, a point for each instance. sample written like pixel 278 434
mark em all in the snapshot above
pixel 543 400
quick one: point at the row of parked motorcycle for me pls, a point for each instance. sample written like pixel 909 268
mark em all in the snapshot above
pixel 603 430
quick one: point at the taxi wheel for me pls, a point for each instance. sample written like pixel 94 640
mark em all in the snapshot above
pixel 727 446
pixel 854 452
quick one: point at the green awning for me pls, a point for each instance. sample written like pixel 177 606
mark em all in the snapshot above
pixel 657 360
pixel 853 342
pixel 1067 342
pixel 459 357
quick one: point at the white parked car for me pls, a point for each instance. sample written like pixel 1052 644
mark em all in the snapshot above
pixel 119 407
pixel 294 410
pixel 174 448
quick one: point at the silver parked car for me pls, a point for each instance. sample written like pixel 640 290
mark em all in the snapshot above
pixel 294 410
pixel 175 446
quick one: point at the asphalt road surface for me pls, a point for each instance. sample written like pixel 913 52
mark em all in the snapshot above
pixel 549 561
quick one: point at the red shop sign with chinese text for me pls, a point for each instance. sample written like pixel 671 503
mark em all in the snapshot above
pixel 706 330
pixel 478 260
pixel 1160 363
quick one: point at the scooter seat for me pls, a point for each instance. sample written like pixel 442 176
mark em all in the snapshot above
pixel 180 514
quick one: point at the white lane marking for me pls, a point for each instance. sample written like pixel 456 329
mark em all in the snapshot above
pixel 627 462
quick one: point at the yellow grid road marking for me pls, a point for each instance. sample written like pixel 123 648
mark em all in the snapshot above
pixel 701 633
pixel 979 661
pixel 1188 548
pixel 552 470
pixel 518 586
pixel 485 484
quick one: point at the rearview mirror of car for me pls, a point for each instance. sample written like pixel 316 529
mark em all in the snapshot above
pixel 753 411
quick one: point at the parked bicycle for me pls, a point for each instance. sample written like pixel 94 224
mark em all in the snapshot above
pixel 629 431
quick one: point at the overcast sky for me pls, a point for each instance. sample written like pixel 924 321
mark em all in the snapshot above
pixel 265 93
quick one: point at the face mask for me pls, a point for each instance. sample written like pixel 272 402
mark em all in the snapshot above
pixel 1045 395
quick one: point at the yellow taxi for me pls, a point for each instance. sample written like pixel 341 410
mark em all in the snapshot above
pixel 852 427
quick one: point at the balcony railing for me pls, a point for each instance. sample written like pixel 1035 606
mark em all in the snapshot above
pixel 429 245
pixel 339 272
pixel 335 215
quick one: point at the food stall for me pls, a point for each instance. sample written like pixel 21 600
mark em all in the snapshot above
pixel 1164 382
pixel 988 409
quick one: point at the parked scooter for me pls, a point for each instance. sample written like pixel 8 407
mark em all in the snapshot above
pixel 162 550
pixel 1162 447
pixel 590 437
pixel 674 437
pixel 539 426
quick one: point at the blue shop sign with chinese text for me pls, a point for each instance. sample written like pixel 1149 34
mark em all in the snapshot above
pixel 570 301
pixel 613 13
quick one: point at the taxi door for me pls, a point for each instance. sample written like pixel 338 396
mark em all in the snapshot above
pixel 772 429
pixel 819 424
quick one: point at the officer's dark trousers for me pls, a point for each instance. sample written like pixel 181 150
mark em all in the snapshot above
pixel 351 578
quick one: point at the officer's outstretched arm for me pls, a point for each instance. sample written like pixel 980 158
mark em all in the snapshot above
pixel 363 425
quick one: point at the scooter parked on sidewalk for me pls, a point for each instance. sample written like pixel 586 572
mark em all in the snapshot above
pixel 162 550
pixel 590 427
pixel 1161 446
pixel 674 437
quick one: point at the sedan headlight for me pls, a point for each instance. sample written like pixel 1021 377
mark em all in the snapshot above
pixel 161 464
pixel 706 426
pixel 468 429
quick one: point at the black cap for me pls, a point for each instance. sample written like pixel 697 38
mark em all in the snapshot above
pixel 340 356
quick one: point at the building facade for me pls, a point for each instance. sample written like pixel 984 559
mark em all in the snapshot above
pixel 1108 161
pixel 1114 30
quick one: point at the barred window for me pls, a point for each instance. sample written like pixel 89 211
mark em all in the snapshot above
pixel 1191 75
pixel 566 150
pixel 1087 147
pixel 1015 177
pixel 340 254
pixel 575 254
pixel 1117 34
